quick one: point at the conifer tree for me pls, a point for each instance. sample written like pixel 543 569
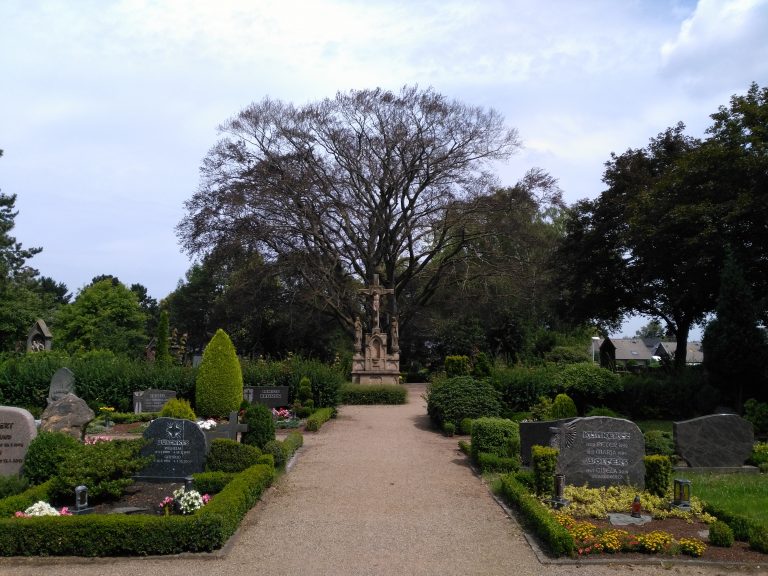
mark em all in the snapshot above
pixel 219 384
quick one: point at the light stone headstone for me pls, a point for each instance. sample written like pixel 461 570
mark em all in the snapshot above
pixel 17 430
pixel 601 451
pixel 715 441
pixel 177 447
pixel 62 383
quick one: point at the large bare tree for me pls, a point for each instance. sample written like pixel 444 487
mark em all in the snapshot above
pixel 368 182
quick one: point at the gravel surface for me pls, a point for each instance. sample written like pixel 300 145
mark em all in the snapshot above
pixel 374 492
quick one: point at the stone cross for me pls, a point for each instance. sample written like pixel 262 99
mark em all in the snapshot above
pixel 376 291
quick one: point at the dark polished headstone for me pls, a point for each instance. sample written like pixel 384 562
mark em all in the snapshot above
pixel 536 434
pixel 718 440
pixel 601 451
pixel 17 430
pixel 270 396
pixel 178 448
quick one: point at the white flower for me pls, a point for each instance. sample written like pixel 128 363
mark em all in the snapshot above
pixel 41 508
pixel 209 424
pixel 188 501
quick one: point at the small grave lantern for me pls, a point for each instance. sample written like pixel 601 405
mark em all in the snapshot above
pixel 682 494
pixel 81 500
pixel 559 499
pixel 636 507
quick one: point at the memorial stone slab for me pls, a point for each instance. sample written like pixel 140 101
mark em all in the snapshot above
pixel 69 415
pixel 17 430
pixel 178 449
pixel 718 440
pixel 270 396
pixel 62 383
pixel 536 434
pixel 601 451
pixel 151 400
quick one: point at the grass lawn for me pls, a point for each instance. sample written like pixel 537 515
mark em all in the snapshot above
pixel 646 425
pixel 744 494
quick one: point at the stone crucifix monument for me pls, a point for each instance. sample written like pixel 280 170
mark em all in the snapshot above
pixel 374 362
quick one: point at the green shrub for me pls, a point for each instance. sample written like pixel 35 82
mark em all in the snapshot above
pixel 457 366
pixel 454 399
pixel 522 386
pixel 542 409
pixel 588 382
pixel 741 525
pixel 305 389
pixel 12 485
pixel 318 418
pixel 465 447
pixel 291 443
pixel 352 394
pixel 482 366
pixel 658 474
pixel 105 468
pixel 757 413
pixel 720 534
pixel 449 429
pixel 11 504
pixel 219 384
pixel 567 355
pixel 326 380
pixel 267 459
pixel 562 407
pixel 45 453
pixel 557 538
pixel 659 442
pixel 603 411
pixel 261 426
pixel 495 463
pixel 465 426
pixel 211 482
pixel 495 436
pixel 544 464
pixel 230 456
pixel 758 538
pixel 759 454
pixel 527 478
pixel 178 408
pixel 275 449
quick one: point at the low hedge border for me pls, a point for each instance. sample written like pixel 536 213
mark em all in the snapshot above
pixel 358 394
pixel 555 536
pixel 318 418
pixel 744 529
pixel 132 535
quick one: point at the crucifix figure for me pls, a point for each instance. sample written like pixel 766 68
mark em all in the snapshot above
pixel 376 291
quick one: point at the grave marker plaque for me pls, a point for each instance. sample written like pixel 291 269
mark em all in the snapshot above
pixel 178 448
pixel 270 396
pixel 17 430
pixel 151 400
pixel 600 451
pixel 715 441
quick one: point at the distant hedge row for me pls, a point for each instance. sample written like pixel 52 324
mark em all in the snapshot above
pixel 102 378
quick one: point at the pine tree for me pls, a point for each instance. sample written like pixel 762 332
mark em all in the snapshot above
pixel 219 384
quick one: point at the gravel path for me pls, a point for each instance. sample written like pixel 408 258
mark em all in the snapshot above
pixel 375 492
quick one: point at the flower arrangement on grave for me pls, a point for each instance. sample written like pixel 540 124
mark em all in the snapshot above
pixel 282 413
pixel 186 502
pixel 284 418
pixel 106 412
pixel 41 508
pixel 208 424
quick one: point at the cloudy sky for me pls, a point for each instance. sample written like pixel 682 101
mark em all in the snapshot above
pixel 107 107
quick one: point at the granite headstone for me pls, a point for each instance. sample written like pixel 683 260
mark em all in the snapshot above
pixel 177 448
pixel 536 434
pixel 62 383
pixel 601 451
pixel 17 430
pixel 270 396
pixel 715 441
pixel 151 400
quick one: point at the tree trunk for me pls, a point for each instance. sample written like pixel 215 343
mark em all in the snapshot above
pixel 681 338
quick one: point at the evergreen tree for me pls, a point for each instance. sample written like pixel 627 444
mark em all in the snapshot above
pixel 735 349
pixel 219 382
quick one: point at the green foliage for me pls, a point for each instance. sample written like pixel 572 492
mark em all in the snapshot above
pixel 481 366
pixel 542 409
pixel 11 504
pixel 326 380
pixel 465 426
pixel 544 464
pixel 227 455
pixel 106 468
pixel 163 351
pixel 658 474
pixel 219 383
pixel 495 463
pixel 563 407
pixel 449 429
pixel 457 366
pixel 662 397
pixel 275 449
pixel 178 408
pixel 757 413
pixel 522 386
pixel 352 394
pixel 558 539
pixel 45 453
pixel 454 399
pixel 261 426
pixel 12 485
pixel 589 382
pixel 495 436
pixel 659 442
pixel 758 539
pixel 305 389
pixel 318 418
pixel 602 411
pixel 211 482
pixel 291 443
pixel 567 355
pixel 105 315
pixel 759 454
pixel 720 534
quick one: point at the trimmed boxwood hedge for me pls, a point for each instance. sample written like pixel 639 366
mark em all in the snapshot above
pixel 131 535
pixel 320 417
pixel 373 394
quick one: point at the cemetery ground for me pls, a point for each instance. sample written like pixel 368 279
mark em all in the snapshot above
pixel 376 491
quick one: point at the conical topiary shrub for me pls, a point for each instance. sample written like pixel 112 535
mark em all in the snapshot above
pixel 219 384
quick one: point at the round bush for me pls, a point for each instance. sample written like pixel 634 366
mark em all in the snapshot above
pixel 461 397
pixel 230 456
pixel 219 383
pixel 274 448
pixel 261 426
pixel 720 534
pixel 659 442
pixel 178 408
pixel 589 381
pixel 563 407
pixel 45 453
pixel 495 436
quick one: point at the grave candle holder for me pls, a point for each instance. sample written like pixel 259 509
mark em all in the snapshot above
pixel 81 500
pixel 682 494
